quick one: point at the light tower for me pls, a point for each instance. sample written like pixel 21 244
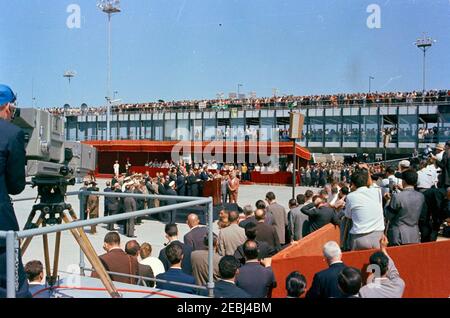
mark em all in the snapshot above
pixel 424 44
pixel 370 82
pixel 69 75
pixel 109 7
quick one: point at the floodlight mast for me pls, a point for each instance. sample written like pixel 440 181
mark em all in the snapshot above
pixel 424 44
pixel 109 7
pixel 69 75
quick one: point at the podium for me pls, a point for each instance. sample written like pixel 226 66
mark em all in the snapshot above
pixel 213 188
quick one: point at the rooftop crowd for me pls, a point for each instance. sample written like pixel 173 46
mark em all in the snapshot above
pixel 266 102
pixel 375 206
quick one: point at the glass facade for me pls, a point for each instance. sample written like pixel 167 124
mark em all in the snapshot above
pixel 352 127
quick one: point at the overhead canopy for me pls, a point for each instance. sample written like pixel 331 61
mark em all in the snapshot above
pixel 146 146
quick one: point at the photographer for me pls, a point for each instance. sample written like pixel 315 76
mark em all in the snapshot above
pixel 12 181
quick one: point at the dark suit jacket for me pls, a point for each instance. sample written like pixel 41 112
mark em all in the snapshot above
pixel 194 238
pixel 171 192
pixel 193 185
pixel 116 260
pixel 176 275
pixel 185 264
pixel 267 233
pixel 319 217
pixel 243 223
pixel 224 289
pixel 146 271
pixel 256 280
pixel 181 185
pixel 12 173
pixel 444 164
pixel 108 201
pixel 325 283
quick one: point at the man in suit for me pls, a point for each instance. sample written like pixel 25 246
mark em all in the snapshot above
pixel 181 184
pixel 195 237
pixel 405 210
pixel 108 200
pixel 199 260
pixel 279 216
pixel 114 205
pixel 116 260
pixel 231 236
pixel 132 248
pixel 171 231
pixel 325 283
pixel 249 216
pixel 233 187
pixel 193 182
pixel 296 218
pixel 93 205
pixel 12 182
pixel 268 219
pixel 389 284
pixel 85 199
pixel 256 279
pixel 171 191
pixel 266 233
pixel 319 213
pixel 174 254
pixel 226 286
pixel 264 250
pixel 129 204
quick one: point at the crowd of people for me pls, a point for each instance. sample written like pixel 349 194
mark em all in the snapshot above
pixel 375 206
pixel 266 102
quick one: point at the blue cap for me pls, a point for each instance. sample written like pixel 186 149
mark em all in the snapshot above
pixel 6 95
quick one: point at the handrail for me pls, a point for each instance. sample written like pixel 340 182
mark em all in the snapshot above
pixel 276 106
pixel 107 219
pixel 157 280
pixel 13 237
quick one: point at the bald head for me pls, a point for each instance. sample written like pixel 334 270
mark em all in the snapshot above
pixel 260 215
pixel 193 220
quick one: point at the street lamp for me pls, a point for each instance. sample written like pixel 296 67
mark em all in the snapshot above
pixel 424 44
pixel 109 7
pixel 370 82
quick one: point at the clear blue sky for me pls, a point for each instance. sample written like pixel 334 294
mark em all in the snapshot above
pixel 193 49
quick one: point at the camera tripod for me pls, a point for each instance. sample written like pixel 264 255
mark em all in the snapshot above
pixel 52 211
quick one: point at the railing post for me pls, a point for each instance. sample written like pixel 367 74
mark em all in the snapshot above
pixel 12 274
pixel 82 264
pixel 210 250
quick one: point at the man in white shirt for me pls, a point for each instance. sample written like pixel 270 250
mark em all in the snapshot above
pixel 116 168
pixel 426 177
pixel 365 208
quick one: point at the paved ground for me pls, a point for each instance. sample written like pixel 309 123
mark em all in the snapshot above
pixel 150 231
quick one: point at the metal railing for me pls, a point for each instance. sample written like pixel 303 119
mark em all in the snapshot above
pixel 311 104
pixel 13 237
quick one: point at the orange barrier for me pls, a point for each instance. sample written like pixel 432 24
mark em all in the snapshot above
pixel 423 267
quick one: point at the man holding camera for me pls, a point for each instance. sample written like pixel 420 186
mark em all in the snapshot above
pixel 12 182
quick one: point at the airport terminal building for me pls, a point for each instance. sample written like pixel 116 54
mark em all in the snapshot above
pixel 342 129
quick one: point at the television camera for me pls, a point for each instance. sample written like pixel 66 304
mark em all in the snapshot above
pixel 53 164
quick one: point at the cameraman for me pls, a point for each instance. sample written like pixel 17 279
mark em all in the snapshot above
pixel 12 181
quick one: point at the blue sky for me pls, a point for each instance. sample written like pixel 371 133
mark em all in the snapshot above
pixel 193 49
